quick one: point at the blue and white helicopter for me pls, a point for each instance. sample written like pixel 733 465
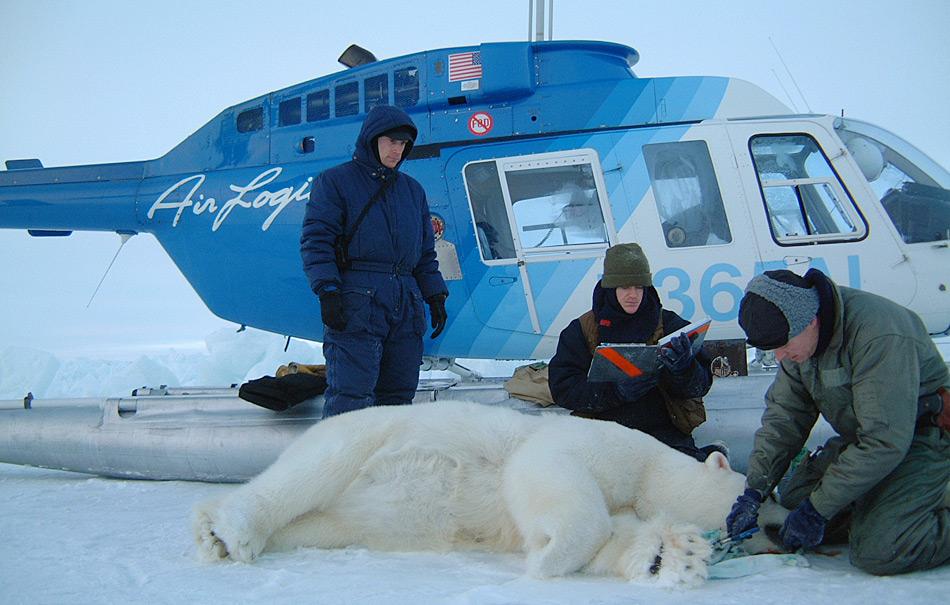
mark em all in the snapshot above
pixel 536 157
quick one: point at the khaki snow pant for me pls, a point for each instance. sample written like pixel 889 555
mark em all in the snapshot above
pixel 902 524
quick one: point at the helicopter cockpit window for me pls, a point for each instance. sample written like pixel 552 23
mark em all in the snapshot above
pixel 289 112
pixel 543 204
pixel 805 201
pixel 687 194
pixel 376 91
pixel 347 98
pixel 915 202
pixel 406 85
pixel 250 120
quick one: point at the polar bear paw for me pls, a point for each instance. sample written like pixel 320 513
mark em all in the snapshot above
pixel 210 546
pixel 223 533
pixel 675 556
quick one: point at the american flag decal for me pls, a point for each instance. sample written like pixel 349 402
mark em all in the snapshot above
pixel 465 66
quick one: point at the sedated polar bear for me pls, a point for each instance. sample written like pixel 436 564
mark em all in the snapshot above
pixel 574 494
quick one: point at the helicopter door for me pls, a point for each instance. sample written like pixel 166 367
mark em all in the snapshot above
pixel 808 215
pixel 541 222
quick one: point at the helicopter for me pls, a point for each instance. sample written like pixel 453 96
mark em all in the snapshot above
pixel 536 157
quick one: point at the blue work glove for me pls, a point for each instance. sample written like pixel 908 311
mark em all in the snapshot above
pixel 745 513
pixel 679 355
pixel 436 304
pixel 803 528
pixel 633 389
pixel 331 309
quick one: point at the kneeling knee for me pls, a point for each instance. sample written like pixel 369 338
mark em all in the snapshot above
pixel 878 562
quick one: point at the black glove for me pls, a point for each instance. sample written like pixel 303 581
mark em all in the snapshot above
pixel 633 389
pixel 331 309
pixel 803 527
pixel 436 304
pixel 679 355
pixel 745 513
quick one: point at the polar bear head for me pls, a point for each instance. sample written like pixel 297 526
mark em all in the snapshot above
pixel 678 487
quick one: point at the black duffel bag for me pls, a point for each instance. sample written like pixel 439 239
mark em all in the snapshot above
pixel 282 393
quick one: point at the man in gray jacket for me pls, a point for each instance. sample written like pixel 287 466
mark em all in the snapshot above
pixel 869 367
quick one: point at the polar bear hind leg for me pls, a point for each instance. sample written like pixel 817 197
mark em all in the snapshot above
pixel 559 509
pixel 308 475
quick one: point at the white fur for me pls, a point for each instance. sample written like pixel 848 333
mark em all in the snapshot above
pixel 574 494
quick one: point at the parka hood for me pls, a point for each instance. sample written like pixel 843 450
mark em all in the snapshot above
pixel 379 120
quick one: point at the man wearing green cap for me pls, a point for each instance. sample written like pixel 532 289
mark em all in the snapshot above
pixel 626 309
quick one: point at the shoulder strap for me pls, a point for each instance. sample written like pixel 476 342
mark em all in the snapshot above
pixel 658 333
pixel 589 328
pixel 379 193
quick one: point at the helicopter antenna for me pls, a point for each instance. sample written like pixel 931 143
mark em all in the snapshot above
pixel 785 90
pixel 125 236
pixel 789 72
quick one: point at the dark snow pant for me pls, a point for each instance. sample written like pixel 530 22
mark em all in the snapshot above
pixel 902 524
pixel 375 360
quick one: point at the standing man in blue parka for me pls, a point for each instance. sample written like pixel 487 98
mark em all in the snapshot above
pixel 371 306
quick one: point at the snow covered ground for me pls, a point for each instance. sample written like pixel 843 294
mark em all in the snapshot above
pixel 70 538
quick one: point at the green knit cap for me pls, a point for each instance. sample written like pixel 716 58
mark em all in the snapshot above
pixel 625 265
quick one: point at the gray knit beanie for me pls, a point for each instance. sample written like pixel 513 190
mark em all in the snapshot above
pixel 626 265
pixel 776 307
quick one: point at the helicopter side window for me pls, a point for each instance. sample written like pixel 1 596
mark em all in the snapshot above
pixel 318 105
pixel 488 206
pixel 541 204
pixel 687 194
pixel 347 98
pixel 556 206
pixel 376 91
pixel 250 120
pixel 804 198
pixel 406 85
pixel 289 112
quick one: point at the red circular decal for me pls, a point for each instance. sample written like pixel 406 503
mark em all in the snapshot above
pixel 438 226
pixel 480 123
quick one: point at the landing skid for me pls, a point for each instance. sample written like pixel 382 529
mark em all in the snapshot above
pixel 448 364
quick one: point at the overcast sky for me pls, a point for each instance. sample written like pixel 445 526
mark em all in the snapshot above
pixel 110 81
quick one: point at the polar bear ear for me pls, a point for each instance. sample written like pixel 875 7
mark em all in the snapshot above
pixel 717 460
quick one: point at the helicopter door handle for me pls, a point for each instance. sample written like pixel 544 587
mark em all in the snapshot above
pixel 307 145
pixel 796 260
pixel 501 280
